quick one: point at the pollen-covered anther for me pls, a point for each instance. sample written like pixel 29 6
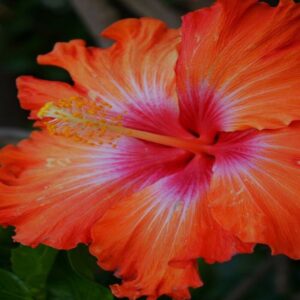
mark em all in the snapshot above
pixel 81 119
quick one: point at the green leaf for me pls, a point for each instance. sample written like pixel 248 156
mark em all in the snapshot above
pixel 4 257
pixel 65 284
pixel 6 245
pixel 5 236
pixel 12 288
pixel 33 267
pixel 82 262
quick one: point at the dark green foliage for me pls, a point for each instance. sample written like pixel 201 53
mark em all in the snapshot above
pixel 82 262
pixel 12 288
pixel 33 267
pixel 5 247
pixel 66 283
pixel 43 273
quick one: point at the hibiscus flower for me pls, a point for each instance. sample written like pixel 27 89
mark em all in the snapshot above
pixel 170 145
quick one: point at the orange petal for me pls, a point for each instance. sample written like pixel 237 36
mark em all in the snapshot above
pixel 152 239
pixel 56 189
pixel 255 188
pixel 136 75
pixel 35 93
pixel 239 66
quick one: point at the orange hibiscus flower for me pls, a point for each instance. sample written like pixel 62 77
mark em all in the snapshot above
pixel 171 145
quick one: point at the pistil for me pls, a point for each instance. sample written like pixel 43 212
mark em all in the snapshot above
pixel 194 146
pixel 93 123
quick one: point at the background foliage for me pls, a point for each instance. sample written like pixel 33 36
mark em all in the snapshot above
pixel 29 28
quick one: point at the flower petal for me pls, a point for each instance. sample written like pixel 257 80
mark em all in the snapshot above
pixel 136 75
pixel 239 65
pixel 255 187
pixel 152 239
pixel 55 189
pixel 35 93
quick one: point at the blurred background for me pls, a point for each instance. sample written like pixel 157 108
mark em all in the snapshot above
pixel 31 27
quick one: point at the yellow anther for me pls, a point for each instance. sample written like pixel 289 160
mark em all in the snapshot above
pixel 91 111
pixel 78 118
pixel 45 109
pixel 77 115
